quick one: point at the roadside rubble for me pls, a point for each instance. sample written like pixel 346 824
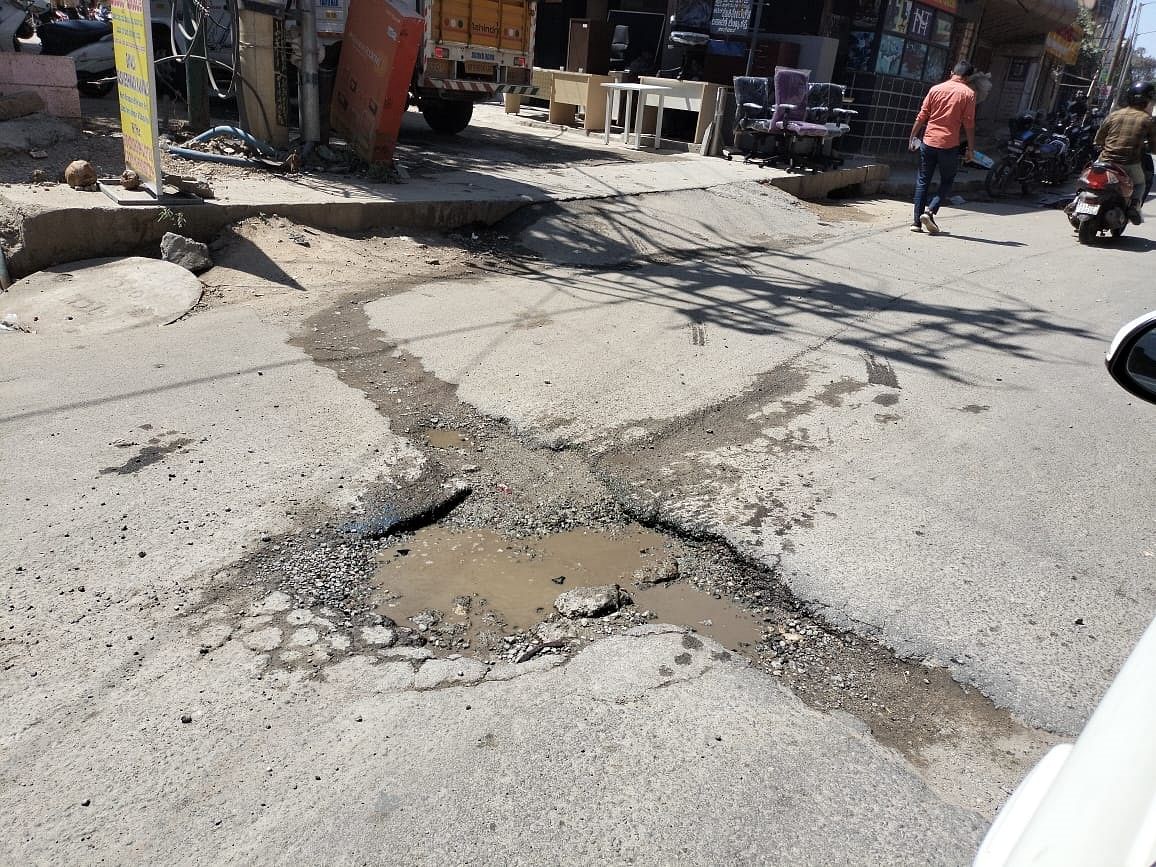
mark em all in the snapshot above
pixel 189 254
pixel 80 175
pixel 35 132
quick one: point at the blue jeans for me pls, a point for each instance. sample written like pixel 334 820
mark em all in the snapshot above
pixel 930 159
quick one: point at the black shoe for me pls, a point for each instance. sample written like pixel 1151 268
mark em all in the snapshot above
pixel 1134 216
pixel 928 221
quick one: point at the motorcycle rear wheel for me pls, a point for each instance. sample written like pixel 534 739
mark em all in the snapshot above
pixel 1087 232
pixel 94 89
pixel 999 179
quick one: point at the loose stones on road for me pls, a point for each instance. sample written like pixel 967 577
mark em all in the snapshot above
pixel 591 601
pixel 189 254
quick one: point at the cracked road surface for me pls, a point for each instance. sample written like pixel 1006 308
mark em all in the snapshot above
pixel 139 728
pixel 918 432
pixel 192 668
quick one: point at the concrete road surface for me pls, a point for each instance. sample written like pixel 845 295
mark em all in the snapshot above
pixel 914 434
pixel 146 722
pixel 916 431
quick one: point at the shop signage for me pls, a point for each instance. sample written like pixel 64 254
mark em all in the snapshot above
pixel 1064 45
pixel 731 16
pixel 137 89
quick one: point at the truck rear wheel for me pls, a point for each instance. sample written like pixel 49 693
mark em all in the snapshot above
pixel 447 116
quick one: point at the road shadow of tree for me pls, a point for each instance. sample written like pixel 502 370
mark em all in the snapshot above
pixel 615 232
pixel 777 294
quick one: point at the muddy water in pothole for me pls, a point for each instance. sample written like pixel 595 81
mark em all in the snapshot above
pixel 441 438
pixel 485 580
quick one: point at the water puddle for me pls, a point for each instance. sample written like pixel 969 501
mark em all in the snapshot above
pixel 687 606
pixel 485 585
pixel 441 438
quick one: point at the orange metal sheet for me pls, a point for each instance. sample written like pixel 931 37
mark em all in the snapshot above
pixel 515 30
pixel 380 50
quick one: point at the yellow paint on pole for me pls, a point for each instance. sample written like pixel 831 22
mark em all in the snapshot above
pixel 137 89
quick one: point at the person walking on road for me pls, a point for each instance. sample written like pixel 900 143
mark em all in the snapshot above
pixel 1126 136
pixel 947 108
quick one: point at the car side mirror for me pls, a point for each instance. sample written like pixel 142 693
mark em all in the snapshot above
pixel 1131 358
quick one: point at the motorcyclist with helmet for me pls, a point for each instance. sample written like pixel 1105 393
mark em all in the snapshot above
pixel 1126 135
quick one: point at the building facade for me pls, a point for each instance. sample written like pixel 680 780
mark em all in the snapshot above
pixel 897 49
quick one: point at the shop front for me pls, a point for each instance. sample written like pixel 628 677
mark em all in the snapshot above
pixel 1013 45
pixel 896 50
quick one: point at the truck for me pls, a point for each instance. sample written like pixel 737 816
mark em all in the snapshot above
pixel 472 50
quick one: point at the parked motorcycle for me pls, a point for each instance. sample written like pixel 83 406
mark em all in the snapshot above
pixel 89 44
pixel 1103 196
pixel 1081 135
pixel 18 21
pixel 1032 154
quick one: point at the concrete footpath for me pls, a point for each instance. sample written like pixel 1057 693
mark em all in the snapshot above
pixel 479 177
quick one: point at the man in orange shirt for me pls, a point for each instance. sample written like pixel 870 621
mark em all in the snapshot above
pixel 947 108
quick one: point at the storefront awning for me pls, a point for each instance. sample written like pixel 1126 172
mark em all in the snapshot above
pixel 1007 21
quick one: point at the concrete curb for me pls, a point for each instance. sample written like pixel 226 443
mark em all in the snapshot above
pixel 904 188
pixel 54 235
pixel 867 180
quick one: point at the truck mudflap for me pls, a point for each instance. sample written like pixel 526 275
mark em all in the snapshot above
pixel 489 88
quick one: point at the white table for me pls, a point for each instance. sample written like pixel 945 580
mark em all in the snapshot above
pixel 636 95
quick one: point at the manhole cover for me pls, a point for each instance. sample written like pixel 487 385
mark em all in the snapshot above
pixel 98 296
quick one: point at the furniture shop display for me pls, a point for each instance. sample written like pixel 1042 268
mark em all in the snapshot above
pixel 636 100
pixel 578 90
pixel 698 97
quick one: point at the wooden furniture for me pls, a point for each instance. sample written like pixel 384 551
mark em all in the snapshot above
pixel 699 97
pixel 577 89
pixel 589 47
pixel 636 96
pixel 543 79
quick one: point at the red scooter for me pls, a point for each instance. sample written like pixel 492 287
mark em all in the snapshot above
pixel 1103 198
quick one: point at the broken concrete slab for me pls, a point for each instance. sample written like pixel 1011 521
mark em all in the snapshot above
pixel 34 132
pixel 20 104
pixel 421 505
pixel 53 78
pixel 99 296
pixel 189 254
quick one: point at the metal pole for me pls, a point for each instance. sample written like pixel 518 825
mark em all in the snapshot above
pixel 1117 33
pixel 310 80
pixel 755 35
pixel 197 68
pixel 1126 67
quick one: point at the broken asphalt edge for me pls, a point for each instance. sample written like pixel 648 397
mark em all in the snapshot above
pixel 51 236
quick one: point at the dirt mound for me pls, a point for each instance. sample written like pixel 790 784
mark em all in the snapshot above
pixel 272 255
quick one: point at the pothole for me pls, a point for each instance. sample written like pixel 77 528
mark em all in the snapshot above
pixel 441 438
pixel 472 589
pixel 552 514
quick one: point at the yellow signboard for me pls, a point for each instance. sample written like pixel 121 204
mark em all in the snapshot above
pixel 137 89
pixel 1064 45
